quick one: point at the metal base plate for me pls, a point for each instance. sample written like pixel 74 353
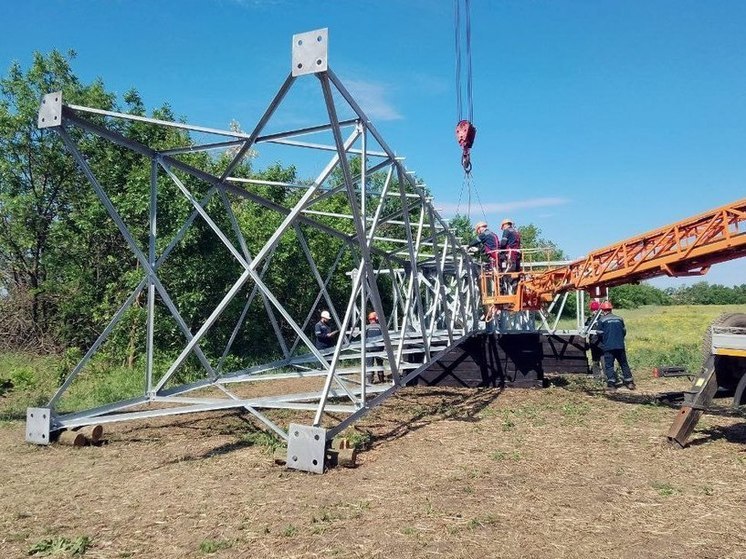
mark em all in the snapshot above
pixel 38 423
pixel 306 448
pixel 310 52
pixel 50 110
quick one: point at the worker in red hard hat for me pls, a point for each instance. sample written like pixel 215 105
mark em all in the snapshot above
pixel 489 241
pixel 510 252
pixel 613 333
pixel 373 336
pixel 594 340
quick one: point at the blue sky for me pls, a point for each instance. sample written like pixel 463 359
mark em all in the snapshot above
pixel 597 120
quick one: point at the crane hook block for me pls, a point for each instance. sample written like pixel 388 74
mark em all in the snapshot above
pixel 465 134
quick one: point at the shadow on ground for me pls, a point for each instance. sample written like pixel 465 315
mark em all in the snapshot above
pixel 436 405
pixel 731 433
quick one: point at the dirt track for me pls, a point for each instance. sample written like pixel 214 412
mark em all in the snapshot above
pixel 560 472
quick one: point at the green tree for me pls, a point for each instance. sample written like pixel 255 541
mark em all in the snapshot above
pixel 462 228
pixel 631 296
pixel 37 184
pixel 536 247
pixel 702 293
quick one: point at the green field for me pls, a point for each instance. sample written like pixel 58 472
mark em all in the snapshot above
pixel 669 335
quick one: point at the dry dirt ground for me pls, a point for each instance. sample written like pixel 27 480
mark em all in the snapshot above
pixel 560 472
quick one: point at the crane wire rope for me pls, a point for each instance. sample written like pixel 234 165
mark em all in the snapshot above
pixel 465 130
pixel 467 185
pixel 463 59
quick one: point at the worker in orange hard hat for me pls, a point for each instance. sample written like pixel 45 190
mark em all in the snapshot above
pixel 489 241
pixel 594 339
pixel 373 335
pixel 510 253
pixel 613 333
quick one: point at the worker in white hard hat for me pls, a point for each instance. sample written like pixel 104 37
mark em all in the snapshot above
pixel 489 241
pixel 324 335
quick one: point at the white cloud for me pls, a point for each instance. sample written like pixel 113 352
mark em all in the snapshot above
pixel 372 99
pixel 430 84
pixel 500 207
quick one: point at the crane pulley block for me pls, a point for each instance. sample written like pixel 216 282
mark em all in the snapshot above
pixel 466 132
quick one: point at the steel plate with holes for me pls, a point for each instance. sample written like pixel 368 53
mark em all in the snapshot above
pixel 50 111
pixel 306 448
pixel 310 52
pixel 38 422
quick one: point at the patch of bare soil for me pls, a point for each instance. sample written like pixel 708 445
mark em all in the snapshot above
pixel 561 472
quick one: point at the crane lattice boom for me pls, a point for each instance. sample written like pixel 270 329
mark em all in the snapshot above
pixel 685 248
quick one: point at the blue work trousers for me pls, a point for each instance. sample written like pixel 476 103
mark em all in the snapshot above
pixel 621 356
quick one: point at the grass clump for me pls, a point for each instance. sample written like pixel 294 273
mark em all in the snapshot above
pixel 481 522
pixel 501 456
pixel 212 546
pixel 59 545
pixel 358 439
pixel 267 441
pixel 289 531
pixel 664 489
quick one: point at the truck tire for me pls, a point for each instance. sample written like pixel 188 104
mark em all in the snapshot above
pixel 739 398
pixel 728 370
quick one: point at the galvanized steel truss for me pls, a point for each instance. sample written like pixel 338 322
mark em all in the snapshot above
pixel 391 231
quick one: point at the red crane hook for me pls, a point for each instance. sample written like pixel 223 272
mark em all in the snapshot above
pixel 465 134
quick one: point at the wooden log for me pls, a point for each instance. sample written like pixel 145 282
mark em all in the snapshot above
pixel 92 432
pixel 347 457
pixel 72 438
pixel 280 456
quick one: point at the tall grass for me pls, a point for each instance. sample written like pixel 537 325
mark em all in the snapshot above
pixel 27 381
pixel 670 335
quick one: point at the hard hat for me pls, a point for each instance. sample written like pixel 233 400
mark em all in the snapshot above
pixel 479 225
pixel 372 316
pixel 506 221
pixel 595 305
pixel 325 314
pixel 606 306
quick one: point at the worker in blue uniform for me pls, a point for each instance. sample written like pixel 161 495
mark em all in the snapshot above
pixel 489 241
pixel 510 255
pixel 510 245
pixel 324 335
pixel 613 333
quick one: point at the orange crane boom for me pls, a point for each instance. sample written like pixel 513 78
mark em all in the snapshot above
pixel 685 248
